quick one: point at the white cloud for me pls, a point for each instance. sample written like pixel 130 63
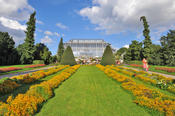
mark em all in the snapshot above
pixel 56 34
pixel 115 16
pixel 39 22
pixel 48 33
pixel 12 24
pixel 12 12
pixel 15 9
pixel 60 25
pixel 126 46
pixel 62 35
pixel 39 30
pixel 46 40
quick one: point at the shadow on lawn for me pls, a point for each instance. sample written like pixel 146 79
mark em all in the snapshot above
pixel 20 90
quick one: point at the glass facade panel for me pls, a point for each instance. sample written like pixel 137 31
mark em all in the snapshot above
pixel 87 48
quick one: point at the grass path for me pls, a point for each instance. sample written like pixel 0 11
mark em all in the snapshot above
pixel 89 92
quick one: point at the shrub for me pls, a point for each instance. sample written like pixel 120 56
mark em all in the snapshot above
pixel 38 62
pixel 108 57
pixel 68 57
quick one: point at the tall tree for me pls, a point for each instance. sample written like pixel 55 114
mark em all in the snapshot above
pixel 147 41
pixel 42 53
pixel 8 53
pixel 60 50
pixel 68 57
pixel 108 57
pixel 156 57
pixel 28 46
pixel 168 48
pixel 134 51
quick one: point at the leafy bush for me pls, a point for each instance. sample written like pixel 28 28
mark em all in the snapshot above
pixel 68 57
pixel 38 62
pixel 108 57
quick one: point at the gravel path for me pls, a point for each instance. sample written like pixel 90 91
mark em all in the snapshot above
pixel 22 73
pixel 166 75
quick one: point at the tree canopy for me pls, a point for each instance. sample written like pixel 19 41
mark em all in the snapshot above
pixel 8 53
pixel 28 45
pixel 147 41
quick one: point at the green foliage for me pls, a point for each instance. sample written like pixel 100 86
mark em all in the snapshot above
pixel 42 53
pixel 134 51
pixel 53 59
pixel 8 53
pixel 68 57
pixel 156 55
pixel 168 48
pixel 120 52
pixel 28 46
pixel 147 41
pixel 60 50
pixel 135 62
pixel 108 57
pixel 38 62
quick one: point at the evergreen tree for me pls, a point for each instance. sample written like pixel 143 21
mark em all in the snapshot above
pixel 156 57
pixel 60 50
pixel 68 57
pixel 8 53
pixel 128 55
pixel 28 46
pixel 108 57
pixel 168 48
pixel 134 51
pixel 147 41
pixel 42 53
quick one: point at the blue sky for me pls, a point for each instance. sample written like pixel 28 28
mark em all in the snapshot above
pixel 115 21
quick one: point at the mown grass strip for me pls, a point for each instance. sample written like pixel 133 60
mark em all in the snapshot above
pixel 89 92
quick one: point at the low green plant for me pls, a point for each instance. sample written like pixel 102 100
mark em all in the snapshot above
pixel 38 62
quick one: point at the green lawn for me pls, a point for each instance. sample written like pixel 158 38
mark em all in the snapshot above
pixel 152 68
pixel 14 66
pixel 89 92
pixel 21 70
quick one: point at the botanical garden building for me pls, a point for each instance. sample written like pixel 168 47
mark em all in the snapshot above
pixel 87 47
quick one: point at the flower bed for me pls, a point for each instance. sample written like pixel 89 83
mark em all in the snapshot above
pixel 136 65
pixel 9 69
pixel 9 85
pixel 170 70
pixel 34 66
pixel 144 96
pixel 155 79
pixel 28 103
pixel 18 68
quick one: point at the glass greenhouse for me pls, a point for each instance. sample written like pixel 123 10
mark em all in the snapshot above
pixel 87 47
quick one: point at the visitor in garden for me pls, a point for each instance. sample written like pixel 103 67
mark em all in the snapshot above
pixel 145 64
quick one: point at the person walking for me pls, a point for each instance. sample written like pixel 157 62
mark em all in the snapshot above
pixel 145 64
